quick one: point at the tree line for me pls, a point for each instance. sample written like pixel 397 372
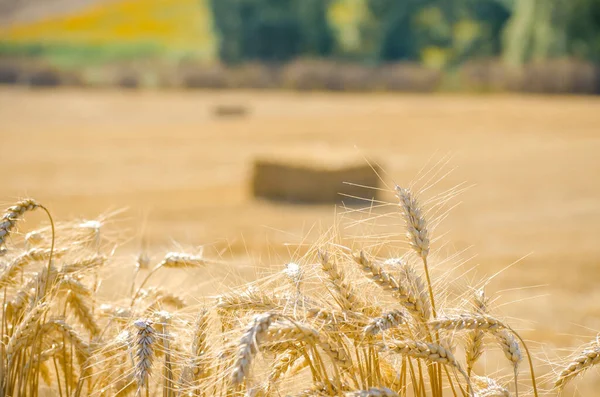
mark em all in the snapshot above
pixel 441 33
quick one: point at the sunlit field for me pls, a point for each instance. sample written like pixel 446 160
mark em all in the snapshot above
pixel 163 173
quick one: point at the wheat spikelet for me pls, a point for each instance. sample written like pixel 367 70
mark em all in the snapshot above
pixel 250 299
pixel 84 264
pixel 83 349
pixel 144 341
pixel 143 261
pixel 283 364
pixel 198 350
pixel 20 262
pixel 178 260
pixel 474 343
pixel 416 225
pixel 26 328
pixel 23 297
pixel 416 288
pixel 83 313
pixel 288 335
pixel 68 283
pixel 431 352
pixel 488 387
pixel 589 357
pixel 34 238
pixel 372 392
pixel 388 320
pixel 344 294
pixel 324 389
pixel 284 336
pixel 117 313
pixel 160 296
pixel 294 273
pixel 387 282
pixel 249 344
pixel 510 347
pixel 12 215
pixel 468 321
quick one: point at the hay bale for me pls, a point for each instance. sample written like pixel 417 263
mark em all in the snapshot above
pixel 314 179
pixel 230 110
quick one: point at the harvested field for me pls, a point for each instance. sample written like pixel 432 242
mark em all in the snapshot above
pixel 185 176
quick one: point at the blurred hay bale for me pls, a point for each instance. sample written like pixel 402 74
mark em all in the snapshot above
pixel 9 72
pixel 43 77
pixel 315 179
pixel 230 110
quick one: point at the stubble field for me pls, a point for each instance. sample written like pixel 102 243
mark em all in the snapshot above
pixel 532 165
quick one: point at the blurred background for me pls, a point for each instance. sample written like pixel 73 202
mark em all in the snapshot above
pixel 213 122
pixel 548 46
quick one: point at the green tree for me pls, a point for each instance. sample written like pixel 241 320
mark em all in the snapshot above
pixel 271 30
pixel 583 29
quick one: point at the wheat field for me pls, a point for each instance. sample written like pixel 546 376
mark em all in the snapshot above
pixel 519 207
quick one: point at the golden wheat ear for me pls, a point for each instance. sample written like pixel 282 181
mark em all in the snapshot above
pixel 586 359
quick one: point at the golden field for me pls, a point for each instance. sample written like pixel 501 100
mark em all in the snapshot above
pixel 531 164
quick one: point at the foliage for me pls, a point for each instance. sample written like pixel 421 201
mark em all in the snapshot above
pixel 438 33
pixel 271 30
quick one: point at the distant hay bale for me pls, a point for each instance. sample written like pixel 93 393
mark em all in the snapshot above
pixel 230 110
pixel 314 180
pixel 9 73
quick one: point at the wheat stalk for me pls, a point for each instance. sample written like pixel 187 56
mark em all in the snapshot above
pixel 180 260
pixel 198 350
pixel 388 320
pixel 488 387
pixel 474 343
pixel 146 336
pixel 431 352
pixel 387 282
pixel 344 293
pixel 586 359
pixel 416 225
pixel 249 344
pixel 12 215
pixel 26 329
pixel 468 321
